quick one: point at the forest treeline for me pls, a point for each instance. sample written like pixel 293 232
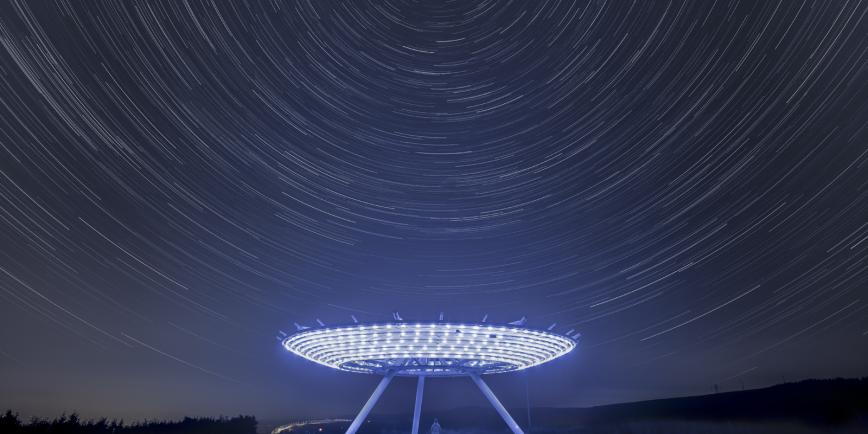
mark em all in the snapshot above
pixel 10 423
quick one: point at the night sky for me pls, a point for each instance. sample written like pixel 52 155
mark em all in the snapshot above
pixel 686 183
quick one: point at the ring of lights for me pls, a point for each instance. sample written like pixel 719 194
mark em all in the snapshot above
pixel 428 348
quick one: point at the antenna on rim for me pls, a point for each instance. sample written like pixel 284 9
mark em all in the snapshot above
pixel 520 322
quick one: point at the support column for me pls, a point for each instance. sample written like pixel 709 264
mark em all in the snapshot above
pixel 417 410
pixel 363 414
pixel 496 404
pixel 527 397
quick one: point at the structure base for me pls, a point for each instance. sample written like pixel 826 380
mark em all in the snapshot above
pixel 417 409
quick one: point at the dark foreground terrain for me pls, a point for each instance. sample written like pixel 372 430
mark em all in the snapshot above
pixel 10 423
pixel 806 407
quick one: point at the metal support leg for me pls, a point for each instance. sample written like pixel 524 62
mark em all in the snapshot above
pixel 496 404
pixel 360 418
pixel 417 410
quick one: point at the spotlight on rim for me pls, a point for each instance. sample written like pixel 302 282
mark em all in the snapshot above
pixel 429 349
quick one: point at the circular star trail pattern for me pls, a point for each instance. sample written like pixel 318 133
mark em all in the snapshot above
pixel 682 182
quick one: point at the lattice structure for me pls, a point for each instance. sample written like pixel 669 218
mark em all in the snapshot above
pixel 428 349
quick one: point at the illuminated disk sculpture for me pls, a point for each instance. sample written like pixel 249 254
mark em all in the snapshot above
pixel 429 349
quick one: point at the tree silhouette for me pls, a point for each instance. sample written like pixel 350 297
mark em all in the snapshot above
pixel 10 423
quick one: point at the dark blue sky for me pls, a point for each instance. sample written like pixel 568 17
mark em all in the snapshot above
pixel 682 182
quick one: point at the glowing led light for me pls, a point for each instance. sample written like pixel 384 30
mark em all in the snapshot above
pixel 431 349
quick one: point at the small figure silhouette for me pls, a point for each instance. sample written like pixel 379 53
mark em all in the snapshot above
pixel 435 427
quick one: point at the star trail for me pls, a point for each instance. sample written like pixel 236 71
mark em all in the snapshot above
pixel 684 183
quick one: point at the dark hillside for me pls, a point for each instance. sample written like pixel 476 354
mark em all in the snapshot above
pixel 838 405
pixel 10 423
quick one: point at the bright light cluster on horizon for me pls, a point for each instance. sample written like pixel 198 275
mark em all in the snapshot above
pixel 433 348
